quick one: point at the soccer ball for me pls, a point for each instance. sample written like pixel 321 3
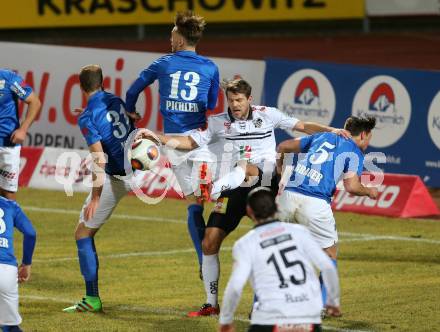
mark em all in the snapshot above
pixel 144 154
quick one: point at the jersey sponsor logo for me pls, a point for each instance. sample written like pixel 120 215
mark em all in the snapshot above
pixel 7 174
pixel 294 327
pixel 434 120
pixel 308 94
pixel 245 152
pixel 272 232
pixel 18 89
pixel 2 84
pixel 386 99
pixel 276 240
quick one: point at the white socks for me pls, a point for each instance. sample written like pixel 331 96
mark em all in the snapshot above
pixel 229 181
pixel 211 273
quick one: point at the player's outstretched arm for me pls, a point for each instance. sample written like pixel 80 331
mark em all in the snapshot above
pixel 178 142
pixel 34 107
pixel 353 185
pixel 314 127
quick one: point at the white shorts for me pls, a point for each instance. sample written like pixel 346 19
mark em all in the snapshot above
pixel 186 165
pixel 9 167
pixel 9 295
pixel 112 192
pixel 314 213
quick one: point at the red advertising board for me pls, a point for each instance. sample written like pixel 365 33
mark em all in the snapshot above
pixel 399 196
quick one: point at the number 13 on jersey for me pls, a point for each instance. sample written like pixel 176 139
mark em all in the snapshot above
pixel 191 79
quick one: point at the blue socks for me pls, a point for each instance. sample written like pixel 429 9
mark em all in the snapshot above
pixel 196 228
pixel 89 264
pixel 323 289
pixel 10 328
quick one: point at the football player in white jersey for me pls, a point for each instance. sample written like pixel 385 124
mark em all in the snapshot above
pixel 247 132
pixel 280 260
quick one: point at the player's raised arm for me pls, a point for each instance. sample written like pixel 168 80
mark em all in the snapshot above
pixel 213 90
pixel 146 77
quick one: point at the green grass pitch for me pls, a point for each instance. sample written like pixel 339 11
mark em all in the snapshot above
pixel 389 270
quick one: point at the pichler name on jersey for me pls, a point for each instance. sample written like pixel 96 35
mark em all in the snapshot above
pixel 181 106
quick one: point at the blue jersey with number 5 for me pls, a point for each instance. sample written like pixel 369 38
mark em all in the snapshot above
pixel 104 120
pixel 188 87
pixel 324 158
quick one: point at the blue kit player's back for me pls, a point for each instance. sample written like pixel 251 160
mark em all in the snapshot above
pixel 11 216
pixel 327 157
pixel 105 120
pixel 188 87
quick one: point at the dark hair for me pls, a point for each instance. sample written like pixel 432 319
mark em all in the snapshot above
pixel 190 26
pixel 357 125
pixel 90 78
pixel 237 86
pixel 261 200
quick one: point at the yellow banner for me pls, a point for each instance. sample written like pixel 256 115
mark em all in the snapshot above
pixel 56 13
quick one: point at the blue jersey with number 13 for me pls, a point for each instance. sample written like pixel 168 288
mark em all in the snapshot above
pixel 188 87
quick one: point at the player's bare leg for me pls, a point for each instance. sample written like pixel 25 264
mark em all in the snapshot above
pixel 211 271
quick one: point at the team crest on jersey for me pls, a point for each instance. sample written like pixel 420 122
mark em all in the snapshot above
pixel 2 84
pixel 258 122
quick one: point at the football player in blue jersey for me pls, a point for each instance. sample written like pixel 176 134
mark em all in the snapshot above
pixel 188 87
pixel 12 133
pixel 105 127
pixel 325 158
pixel 11 215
